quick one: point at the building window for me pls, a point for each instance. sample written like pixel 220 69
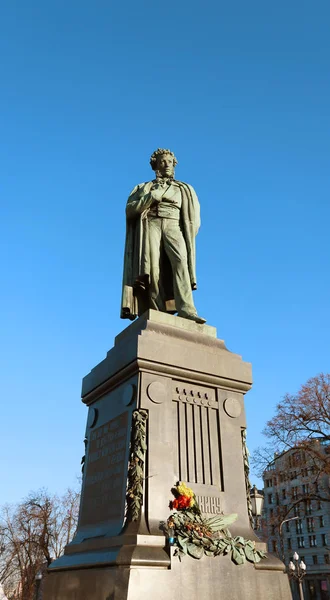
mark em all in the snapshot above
pixel 308 507
pixel 269 483
pixel 324 540
pixel 314 559
pixel 321 518
pixel 287 527
pixel 301 542
pixel 319 505
pixel 305 488
pixel 312 541
pixel 297 458
pixel 284 494
pixel 274 546
pixel 294 492
pixel 289 544
pixel 327 559
pixel 296 510
pixel 272 529
pixel 270 498
pixel 310 525
pixel 299 526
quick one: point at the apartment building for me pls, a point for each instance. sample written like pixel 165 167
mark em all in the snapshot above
pixel 295 519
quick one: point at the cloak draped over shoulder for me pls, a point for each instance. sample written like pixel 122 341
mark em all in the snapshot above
pixel 137 264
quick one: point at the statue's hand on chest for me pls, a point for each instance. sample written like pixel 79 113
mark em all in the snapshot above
pixel 157 191
pixel 164 192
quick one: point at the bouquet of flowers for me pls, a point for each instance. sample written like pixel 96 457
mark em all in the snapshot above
pixel 194 534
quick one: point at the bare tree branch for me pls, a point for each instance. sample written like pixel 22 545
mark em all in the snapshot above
pixel 32 534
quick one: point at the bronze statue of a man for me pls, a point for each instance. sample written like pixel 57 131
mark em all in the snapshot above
pixel 162 221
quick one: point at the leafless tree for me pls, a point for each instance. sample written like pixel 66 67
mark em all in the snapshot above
pixel 301 423
pixel 32 534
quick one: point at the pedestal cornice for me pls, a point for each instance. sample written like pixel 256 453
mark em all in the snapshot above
pixel 157 342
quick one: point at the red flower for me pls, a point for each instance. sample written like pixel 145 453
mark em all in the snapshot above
pixel 181 502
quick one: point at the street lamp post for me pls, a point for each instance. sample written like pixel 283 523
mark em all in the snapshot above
pixel 297 571
pixel 37 579
pixel 281 536
pixel 257 501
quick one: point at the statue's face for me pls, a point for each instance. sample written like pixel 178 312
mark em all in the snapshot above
pixel 165 165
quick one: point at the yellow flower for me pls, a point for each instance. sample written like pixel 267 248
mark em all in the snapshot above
pixel 192 502
pixel 184 490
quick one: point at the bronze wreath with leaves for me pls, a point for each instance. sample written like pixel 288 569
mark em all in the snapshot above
pixel 135 478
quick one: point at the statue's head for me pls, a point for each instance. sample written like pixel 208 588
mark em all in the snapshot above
pixel 163 162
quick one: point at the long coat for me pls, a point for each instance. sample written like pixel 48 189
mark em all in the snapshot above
pixel 137 266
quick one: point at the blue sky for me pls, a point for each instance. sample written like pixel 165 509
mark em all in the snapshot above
pixel 241 92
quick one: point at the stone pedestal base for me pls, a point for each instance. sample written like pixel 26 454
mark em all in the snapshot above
pixel 192 390
pixel 210 579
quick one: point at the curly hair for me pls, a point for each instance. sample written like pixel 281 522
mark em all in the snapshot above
pixel 159 152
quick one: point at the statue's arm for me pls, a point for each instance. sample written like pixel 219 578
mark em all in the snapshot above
pixel 139 200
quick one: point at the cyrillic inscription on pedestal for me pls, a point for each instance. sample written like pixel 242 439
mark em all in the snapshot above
pixel 210 505
pixel 106 472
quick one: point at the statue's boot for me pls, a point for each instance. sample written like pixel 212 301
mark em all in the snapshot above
pixel 193 317
pixel 200 320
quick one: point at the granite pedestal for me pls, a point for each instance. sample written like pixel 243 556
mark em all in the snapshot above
pixel 193 390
